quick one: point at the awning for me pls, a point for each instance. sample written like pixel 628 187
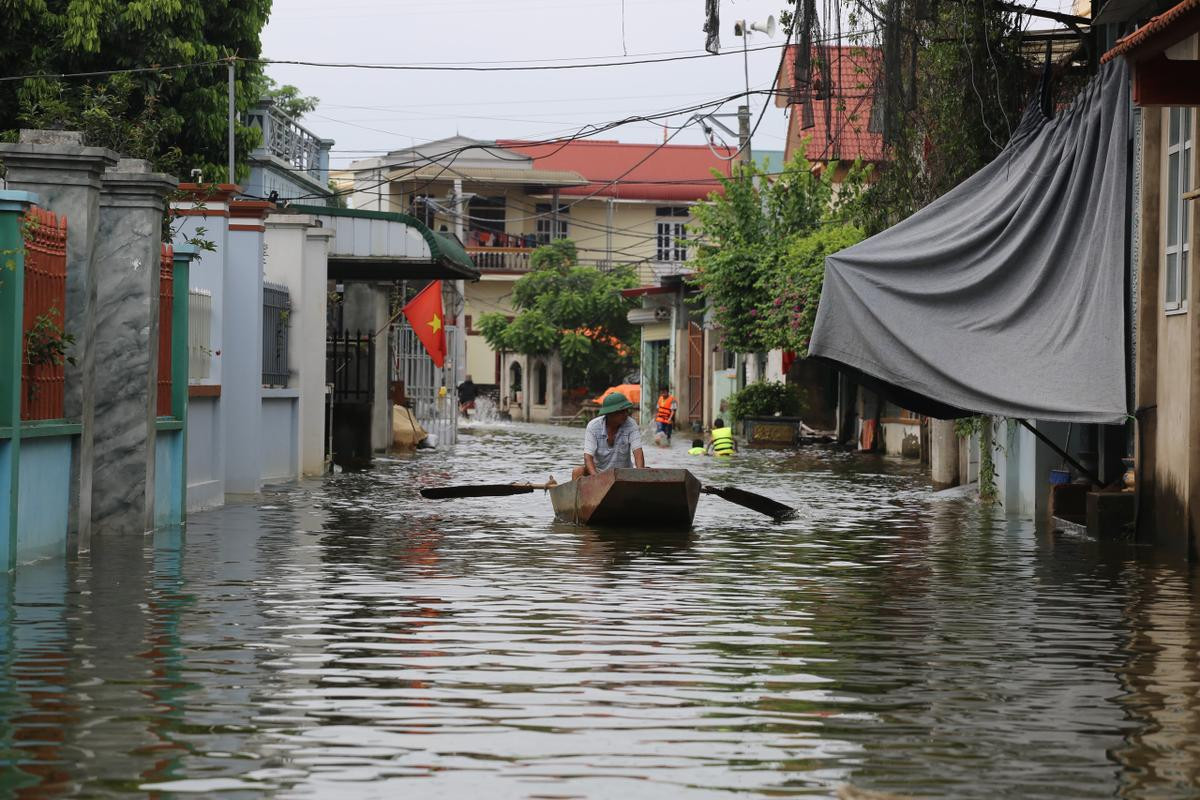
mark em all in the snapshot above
pixel 1006 295
pixel 387 246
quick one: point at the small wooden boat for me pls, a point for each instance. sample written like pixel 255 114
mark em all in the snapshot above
pixel 659 498
pixel 630 498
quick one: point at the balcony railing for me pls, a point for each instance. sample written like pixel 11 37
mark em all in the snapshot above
pixel 291 142
pixel 510 259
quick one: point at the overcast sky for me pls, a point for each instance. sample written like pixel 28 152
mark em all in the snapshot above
pixel 370 112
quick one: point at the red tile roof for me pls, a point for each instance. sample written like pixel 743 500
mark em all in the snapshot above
pixel 853 74
pixel 1152 29
pixel 671 173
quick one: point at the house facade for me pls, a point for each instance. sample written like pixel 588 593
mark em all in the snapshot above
pixel 1164 57
pixel 620 203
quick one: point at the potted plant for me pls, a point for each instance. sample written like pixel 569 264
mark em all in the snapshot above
pixel 769 412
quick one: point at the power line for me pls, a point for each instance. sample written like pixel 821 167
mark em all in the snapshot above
pixel 105 72
pixel 582 133
pixel 503 68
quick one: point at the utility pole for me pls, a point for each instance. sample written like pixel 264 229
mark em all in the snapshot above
pixel 232 177
pixel 743 114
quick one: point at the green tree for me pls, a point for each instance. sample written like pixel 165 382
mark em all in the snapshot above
pixel 793 287
pixel 289 100
pixel 175 117
pixel 577 312
pixel 746 237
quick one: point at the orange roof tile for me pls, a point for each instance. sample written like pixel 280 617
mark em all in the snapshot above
pixel 1152 29
pixel 847 135
pixel 671 173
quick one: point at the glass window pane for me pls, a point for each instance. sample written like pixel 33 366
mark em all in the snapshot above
pixel 1185 182
pixel 1185 115
pixel 1173 199
pixel 1173 138
pixel 1183 277
pixel 1172 298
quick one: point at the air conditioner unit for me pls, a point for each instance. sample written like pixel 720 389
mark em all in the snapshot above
pixel 648 316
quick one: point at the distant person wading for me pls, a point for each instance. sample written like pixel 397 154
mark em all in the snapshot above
pixel 722 443
pixel 467 392
pixel 664 419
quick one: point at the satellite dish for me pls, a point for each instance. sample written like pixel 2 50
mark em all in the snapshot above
pixel 768 29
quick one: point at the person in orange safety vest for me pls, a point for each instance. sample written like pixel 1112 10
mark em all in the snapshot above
pixel 664 419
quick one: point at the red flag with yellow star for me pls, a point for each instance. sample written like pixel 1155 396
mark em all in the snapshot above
pixel 424 313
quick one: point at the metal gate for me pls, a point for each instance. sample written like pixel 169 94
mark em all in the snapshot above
pixel 423 382
pixel 695 372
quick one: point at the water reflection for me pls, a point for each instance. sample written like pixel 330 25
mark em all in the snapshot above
pixel 346 638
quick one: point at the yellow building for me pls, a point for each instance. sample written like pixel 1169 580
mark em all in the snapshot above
pixel 620 203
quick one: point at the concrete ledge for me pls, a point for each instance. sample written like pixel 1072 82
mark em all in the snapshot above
pixel 1067 526
pixel 55 427
pixel 168 424
pixel 205 494
pixel 280 394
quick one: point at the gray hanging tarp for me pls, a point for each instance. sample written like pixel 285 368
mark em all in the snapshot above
pixel 1005 295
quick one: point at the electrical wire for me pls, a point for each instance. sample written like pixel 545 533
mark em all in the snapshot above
pixel 584 132
pixel 503 68
pixel 125 71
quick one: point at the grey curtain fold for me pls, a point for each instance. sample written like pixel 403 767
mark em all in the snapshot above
pixel 1006 295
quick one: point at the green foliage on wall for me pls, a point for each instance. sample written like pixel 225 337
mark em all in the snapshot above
pixel 575 311
pixel 763 234
pixel 794 286
pixel 766 399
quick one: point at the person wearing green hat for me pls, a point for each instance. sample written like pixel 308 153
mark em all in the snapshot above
pixel 612 440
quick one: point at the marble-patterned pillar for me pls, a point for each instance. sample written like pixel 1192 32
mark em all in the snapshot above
pixel 128 251
pixel 67 176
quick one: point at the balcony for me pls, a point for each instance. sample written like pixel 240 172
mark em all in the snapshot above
pixel 287 141
pixel 500 259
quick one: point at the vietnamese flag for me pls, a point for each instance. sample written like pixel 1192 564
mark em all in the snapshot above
pixel 424 313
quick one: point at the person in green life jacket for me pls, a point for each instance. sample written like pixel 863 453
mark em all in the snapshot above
pixel 698 448
pixel 612 440
pixel 721 443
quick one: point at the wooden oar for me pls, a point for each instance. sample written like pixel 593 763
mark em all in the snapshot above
pixel 756 502
pixel 482 490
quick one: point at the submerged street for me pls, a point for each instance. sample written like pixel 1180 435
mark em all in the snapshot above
pixel 345 638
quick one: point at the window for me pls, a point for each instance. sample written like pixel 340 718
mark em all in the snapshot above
pixel 545 222
pixel 1180 141
pixel 671 237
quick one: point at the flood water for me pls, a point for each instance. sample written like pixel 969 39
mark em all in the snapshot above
pixel 345 638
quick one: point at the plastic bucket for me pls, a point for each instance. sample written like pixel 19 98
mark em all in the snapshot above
pixel 1059 476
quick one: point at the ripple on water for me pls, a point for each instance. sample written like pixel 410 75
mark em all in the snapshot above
pixel 346 638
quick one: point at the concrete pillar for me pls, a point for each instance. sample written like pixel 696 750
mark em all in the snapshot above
pixel 128 253
pixel 297 256
pixel 242 330
pixel 312 339
pixel 67 176
pixel 204 214
pixel 13 207
pixel 365 310
pixel 943 455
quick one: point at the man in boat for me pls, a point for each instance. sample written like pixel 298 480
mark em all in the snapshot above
pixel 664 418
pixel 612 440
pixel 721 442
